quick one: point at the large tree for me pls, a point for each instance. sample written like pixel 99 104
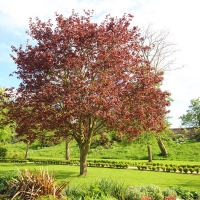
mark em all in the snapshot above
pixel 192 117
pixel 82 78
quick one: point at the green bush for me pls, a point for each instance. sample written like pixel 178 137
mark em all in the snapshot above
pixel 103 189
pixel 137 193
pixel 134 193
pixel 174 169
pixel 5 179
pixel 185 169
pixel 3 152
pixel 180 169
pixel 169 192
pixel 168 169
pixel 196 170
pixel 191 170
pixel 186 194
pixel 163 168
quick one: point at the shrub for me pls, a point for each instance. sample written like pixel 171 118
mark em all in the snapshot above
pixel 168 193
pixel 185 169
pixel 32 185
pixel 174 169
pixel 148 192
pixel 191 170
pixel 153 191
pixel 196 170
pixel 163 168
pixel 186 194
pixel 134 193
pixel 101 189
pixel 168 169
pixel 180 169
pixel 3 152
pixel 5 179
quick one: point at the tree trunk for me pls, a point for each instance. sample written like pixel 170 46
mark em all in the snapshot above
pixel 67 149
pixel 162 146
pixel 27 148
pixel 84 148
pixel 149 153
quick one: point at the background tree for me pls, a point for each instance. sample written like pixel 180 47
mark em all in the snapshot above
pixel 161 52
pixel 161 55
pixel 6 132
pixel 81 78
pixel 192 117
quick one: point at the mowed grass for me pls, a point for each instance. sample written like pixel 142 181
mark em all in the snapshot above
pixel 127 176
pixel 184 153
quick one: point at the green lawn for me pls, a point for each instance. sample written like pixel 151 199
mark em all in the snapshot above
pixel 184 153
pixel 128 176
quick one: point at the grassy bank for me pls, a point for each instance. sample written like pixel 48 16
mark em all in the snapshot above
pixel 186 151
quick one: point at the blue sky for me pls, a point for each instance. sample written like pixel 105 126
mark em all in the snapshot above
pixel 179 17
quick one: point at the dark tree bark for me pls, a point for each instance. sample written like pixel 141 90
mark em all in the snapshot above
pixel 162 146
pixel 149 153
pixel 27 148
pixel 84 148
pixel 67 149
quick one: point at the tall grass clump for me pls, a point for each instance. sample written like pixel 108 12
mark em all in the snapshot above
pixel 31 185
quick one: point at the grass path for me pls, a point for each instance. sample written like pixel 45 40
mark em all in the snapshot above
pixel 127 176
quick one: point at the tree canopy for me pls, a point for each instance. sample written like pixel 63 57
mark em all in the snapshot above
pixel 82 78
pixel 192 117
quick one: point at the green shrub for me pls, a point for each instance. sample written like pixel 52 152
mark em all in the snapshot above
pixel 186 194
pixel 174 169
pixel 153 191
pixel 169 192
pixel 3 152
pixel 137 193
pixel 134 193
pixel 185 169
pixel 180 169
pixel 100 189
pixel 196 170
pixel 168 169
pixel 163 168
pixel 5 179
pixel 191 170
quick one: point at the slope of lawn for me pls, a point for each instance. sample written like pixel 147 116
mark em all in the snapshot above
pixel 187 151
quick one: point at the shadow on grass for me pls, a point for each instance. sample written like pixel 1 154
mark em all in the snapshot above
pixel 195 184
pixel 65 174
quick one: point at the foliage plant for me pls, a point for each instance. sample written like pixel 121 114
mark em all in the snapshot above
pixel 5 178
pixel 32 185
pixel 185 193
pixel 3 152
pixel 192 117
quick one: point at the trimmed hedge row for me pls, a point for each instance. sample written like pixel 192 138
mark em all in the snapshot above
pixel 169 167
pixel 113 164
pixel 90 163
